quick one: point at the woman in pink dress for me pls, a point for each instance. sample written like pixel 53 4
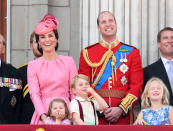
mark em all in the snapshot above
pixel 49 76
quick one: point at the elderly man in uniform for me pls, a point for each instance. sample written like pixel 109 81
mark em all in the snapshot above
pixel 10 90
pixel 27 109
pixel 115 71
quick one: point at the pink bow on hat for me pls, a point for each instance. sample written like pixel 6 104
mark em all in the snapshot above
pixel 47 24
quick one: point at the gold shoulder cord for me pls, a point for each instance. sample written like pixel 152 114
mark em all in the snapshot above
pixel 108 54
pixel 94 65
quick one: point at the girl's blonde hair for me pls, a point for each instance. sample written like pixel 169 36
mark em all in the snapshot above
pixel 146 103
pixel 58 101
pixel 79 76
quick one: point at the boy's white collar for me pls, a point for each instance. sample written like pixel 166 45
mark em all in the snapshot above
pixel 82 99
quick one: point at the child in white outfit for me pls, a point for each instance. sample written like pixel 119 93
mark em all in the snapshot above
pixel 84 109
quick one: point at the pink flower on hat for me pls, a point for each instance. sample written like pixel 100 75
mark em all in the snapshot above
pixel 47 24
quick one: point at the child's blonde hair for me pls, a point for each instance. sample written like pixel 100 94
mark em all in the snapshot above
pixel 146 103
pixel 79 76
pixel 58 101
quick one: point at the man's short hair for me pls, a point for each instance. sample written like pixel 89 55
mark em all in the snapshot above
pixel 101 14
pixel 160 32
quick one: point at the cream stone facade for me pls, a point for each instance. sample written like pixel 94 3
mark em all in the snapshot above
pixel 138 24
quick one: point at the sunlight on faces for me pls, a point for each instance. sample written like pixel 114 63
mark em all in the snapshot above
pixel 80 89
pixel 158 92
pixel 107 25
pixel 48 41
pixel 58 108
pixel 166 43
pixel 155 91
pixel 2 46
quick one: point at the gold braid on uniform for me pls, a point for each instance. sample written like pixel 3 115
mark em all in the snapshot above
pixel 113 65
pixel 127 102
pixel 108 54
pixel 25 90
pixel 94 65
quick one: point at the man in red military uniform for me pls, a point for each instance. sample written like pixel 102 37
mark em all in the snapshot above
pixel 115 71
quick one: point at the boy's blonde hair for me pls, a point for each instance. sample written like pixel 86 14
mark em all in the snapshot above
pixel 146 103
pixel 79 76
pixel 58 101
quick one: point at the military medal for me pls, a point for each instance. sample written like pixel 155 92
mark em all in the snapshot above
pixel 125 57
pixel 14 86
pixel 123 80
pixel 124 68
pixel 4 81
pixel 121 60
pixel 13 101
pixel 1 83
pixel 7 82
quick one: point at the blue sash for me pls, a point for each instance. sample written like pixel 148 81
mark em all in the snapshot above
pixel 108 69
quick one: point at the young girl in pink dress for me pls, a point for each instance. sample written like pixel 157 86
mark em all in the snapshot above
pixel 58 113
pixel 49 76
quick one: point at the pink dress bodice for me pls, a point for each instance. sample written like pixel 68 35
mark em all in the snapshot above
pixel 48 80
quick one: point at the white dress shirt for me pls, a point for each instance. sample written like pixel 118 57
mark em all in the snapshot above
pixel 167 66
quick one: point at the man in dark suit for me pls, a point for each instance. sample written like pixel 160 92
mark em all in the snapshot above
pixel 160 68
pixel 27 109
pixel 10 90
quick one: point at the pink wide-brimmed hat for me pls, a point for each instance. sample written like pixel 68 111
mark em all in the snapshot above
pixel 47 24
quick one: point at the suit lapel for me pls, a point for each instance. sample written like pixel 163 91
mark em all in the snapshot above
pixel 162 69
pixel 164 76
pixel 163 73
